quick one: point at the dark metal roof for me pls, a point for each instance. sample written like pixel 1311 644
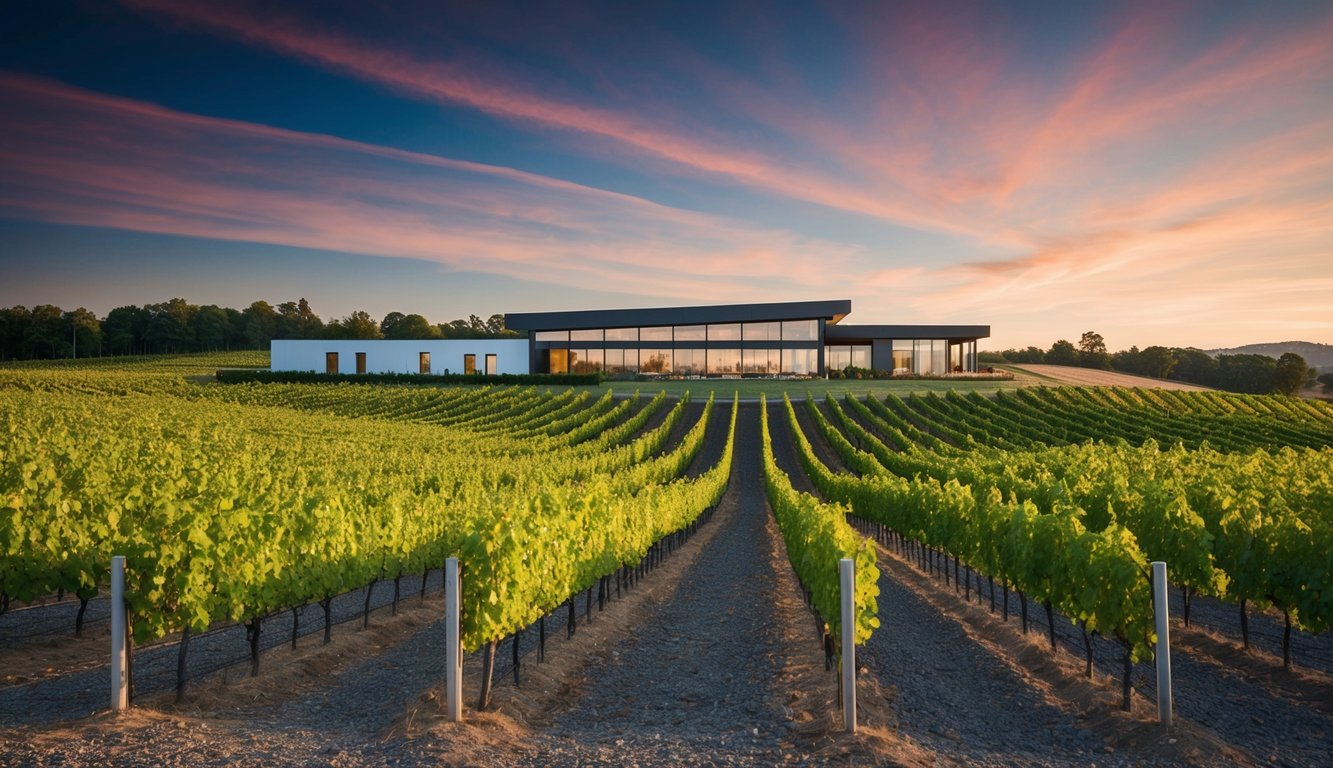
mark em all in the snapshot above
pixel 866 332
pixel 721 313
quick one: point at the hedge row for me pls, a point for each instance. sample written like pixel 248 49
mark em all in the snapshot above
pixel 242 376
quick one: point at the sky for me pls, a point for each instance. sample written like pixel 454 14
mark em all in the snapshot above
pixel 1159 172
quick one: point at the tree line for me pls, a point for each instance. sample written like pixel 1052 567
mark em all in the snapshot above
pixel 1251 374
pixel 176 326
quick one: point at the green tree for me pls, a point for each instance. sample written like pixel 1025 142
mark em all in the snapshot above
pixel 45 335
pixel 260 324
pixel 358 325
pixel 412 327
pixel 1289 374
pixel 1326 380
pixel 1157 361
pixel 297 321
pixel 85 332
pixel 125 330
pixel 1062 352
pixel 211 328
pixel 169 326
pixel 1092 351
pixel 389 322
pixel 13 330
pixel 1196 366
pixel 1250 374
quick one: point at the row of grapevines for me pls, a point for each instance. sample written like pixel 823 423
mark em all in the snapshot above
pixel 818 537
pixel 1097 578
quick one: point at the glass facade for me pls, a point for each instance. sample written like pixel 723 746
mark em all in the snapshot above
pixel 731 332
pixel 720 349
pixel 839 357
pixel 762 331
pixel 776 348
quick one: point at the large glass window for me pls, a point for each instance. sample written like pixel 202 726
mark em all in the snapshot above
pixel 691 332
pixel 622 334
pixel 657 333
pixel 921 357
pixel 552 336
pixel 469 364
pixel 724 361
pixel 558 361
pixel 837 358
pixel 423 362
pixel 614 360
pixel 654 360
pixel 594 335
pixel 762 331
pixel 576 357
pixel 761 361
pixel 729 332
pixel 861 356
pixel 902 356
pixel 800 362
pixel 939 356
pixel 800 330
pixel 690 362
pixel 589 361
pixel 492 365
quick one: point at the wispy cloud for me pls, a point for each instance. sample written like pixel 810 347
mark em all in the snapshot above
pixel 126 164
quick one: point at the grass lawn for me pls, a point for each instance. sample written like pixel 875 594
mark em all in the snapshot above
pixel 751 389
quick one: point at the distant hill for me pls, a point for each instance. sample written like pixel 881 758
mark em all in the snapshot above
pixel 1317 355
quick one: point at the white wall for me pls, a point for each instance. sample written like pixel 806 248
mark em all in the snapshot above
pixel 400 356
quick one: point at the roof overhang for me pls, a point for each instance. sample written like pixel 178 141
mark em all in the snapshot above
pixel 867 333
pixel 831 311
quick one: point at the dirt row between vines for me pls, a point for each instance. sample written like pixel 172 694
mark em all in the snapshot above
pixel 1233 708
pixel 712 658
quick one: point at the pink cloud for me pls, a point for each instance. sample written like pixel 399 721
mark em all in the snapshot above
pixel 126 164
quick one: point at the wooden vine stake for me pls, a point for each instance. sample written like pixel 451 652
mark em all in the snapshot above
pixel 847 578
pixel 1164 703
pixel 120 688
pixel 453 651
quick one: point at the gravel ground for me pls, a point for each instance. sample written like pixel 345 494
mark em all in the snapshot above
pixel 692 685
pixel 1232 704
pixel 697 679
pixel 82 693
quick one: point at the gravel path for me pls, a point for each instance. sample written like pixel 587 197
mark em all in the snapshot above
pixel 954 696
pixel 692 685
pixel 81 693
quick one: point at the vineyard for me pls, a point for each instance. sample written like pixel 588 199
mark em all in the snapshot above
pixel 248 506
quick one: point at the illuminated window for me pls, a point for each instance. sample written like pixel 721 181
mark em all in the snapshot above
pixel 423 362
pixel 653 360
pixel 491 365
pixel 724 361
pixel 469 364
pixel 690 362
pixel 800 362
pixel 558 362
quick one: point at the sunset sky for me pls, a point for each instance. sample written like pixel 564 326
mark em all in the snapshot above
pixel 1159 172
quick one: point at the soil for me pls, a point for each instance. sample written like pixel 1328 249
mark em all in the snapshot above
pixel 712 659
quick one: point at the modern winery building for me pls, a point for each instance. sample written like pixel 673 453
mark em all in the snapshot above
pixel 804 338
